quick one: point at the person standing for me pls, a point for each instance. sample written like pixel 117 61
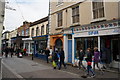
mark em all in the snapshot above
pixel 81 56
pixel 62 57
pixel 47 53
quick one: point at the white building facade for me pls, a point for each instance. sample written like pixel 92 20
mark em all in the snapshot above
pixel 2 10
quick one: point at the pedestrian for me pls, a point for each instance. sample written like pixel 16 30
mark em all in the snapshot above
pixel 24 50
pixel 62 57
pixel 81 56
pixel 58 59
pixel 47 53
pixel 11 51
pixel 89 69
pixel 6 52
pixel 96 58
pixel 54 58
pixel 88 55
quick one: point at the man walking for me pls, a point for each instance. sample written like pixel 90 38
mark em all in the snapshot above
pixel 6 52
pixel 62 57
pixel 81 56
pixel 47 53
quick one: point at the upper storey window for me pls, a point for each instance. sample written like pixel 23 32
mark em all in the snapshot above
pixel 98 9
pixel 59 19
pixel 75 14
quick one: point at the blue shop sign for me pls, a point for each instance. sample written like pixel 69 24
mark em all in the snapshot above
pixel 93 33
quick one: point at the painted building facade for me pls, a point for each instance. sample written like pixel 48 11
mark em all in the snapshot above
pixel 5 39
pixel 2 11
pixel 38 40
pixel 22 32
pixel 87 24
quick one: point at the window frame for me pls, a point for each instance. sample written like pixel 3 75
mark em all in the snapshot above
pixel 75 14
pixel 97 8
pixel 60 19
pixel 32 32
pixel 37 31
pixel 42 30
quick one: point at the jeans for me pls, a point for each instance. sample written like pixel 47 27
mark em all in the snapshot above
pixel 89 69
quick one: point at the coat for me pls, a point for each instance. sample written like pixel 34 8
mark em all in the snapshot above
pixel 96 56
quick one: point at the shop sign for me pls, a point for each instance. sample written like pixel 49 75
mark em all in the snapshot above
pixel 93 33
pixel 40 38
pixel 116 31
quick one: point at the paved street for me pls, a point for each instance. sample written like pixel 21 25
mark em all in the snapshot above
pixel 26 68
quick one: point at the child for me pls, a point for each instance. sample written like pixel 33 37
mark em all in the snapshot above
pixel 89 69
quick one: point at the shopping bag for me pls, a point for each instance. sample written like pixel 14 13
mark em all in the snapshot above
pixel 54 64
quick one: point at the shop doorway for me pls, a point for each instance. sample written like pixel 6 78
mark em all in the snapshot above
pixel 115 51
pixel 58 44
pixel 70 51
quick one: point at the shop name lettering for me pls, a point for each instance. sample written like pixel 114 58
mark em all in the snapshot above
pixel 40 38
pixel 93 33
pixel 116 31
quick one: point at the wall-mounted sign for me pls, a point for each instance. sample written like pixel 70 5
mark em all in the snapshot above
pixel 93 33
pixel 40 38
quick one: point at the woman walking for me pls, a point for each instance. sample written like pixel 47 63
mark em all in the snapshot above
pixel 96 58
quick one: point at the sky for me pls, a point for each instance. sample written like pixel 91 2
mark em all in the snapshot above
pixel 26 10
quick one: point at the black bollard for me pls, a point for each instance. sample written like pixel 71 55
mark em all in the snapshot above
pixel 32 56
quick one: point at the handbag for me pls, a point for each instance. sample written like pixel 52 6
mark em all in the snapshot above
pixel 54 64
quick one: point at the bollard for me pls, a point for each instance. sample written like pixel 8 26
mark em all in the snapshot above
pixel 32 56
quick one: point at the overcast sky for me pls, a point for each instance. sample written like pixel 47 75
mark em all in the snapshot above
pixel 31 10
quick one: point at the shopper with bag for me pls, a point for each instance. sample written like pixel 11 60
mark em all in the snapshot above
pixel 54 59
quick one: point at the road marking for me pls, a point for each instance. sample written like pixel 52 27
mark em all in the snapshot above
pixel 16 74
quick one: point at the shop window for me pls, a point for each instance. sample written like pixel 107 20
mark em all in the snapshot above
pixel 26 46
pixel 84 43
pixel 80 44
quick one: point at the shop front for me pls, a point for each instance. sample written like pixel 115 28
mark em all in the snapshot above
pixel 56 42
pixel 28 44
pixel 40 44
pixel 102 35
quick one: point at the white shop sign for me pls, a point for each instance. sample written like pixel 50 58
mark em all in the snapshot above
pixel 98 33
